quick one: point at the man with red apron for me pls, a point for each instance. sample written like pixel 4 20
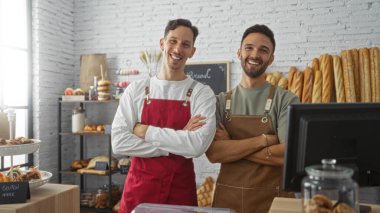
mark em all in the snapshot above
pixel 249 143
pixel 162 123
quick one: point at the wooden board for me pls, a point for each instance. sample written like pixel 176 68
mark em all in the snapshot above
pixel 93 171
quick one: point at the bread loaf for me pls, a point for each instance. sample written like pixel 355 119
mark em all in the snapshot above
pixel 375 72
pixel 338 79
pixel 283 83
pixel 365 75
pixel 298 84
pixel 291 74
pixel 348 76
pixel 315 64
pixel 270 78
pixel 355 55
pixel 327 78
pixel 307 90
pixel 376 59
pixel 277 76
pixel 317 87
pixel 205 193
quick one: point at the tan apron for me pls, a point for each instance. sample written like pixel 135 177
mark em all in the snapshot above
pixel 243 185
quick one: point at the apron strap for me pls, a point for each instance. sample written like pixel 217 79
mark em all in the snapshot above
pixel 189 92
pixel 268 104
pixel 227 110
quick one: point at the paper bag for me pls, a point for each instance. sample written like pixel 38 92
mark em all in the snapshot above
pixel 90 67
pixel 4 126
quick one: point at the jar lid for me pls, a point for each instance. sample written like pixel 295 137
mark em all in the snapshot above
pixel 329 169
pixel 78 110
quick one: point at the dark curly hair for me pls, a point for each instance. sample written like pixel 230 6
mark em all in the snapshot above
pixel 263 29
pixel 173 24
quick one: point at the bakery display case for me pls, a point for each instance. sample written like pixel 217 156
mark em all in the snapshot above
pixel 84 168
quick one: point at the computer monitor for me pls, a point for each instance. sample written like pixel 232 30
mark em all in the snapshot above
pixel 349 133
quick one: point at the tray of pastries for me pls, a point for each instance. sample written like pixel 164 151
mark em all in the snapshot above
pixel 34 176
pixel 18 146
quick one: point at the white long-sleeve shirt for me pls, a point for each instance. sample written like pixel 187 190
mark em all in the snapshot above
pixel 162 141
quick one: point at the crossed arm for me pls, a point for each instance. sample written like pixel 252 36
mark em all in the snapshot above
pixel 263 149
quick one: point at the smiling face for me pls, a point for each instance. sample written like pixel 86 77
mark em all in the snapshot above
pixel 255 54
pixel 177 47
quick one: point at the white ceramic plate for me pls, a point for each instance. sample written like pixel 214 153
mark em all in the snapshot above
pixel 45 177
pixel 7 150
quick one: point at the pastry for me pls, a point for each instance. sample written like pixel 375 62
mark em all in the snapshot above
pixel 307 90
pixel 103 88
pixel 78 91
pixel 69 91
pixel 277 76
pixel 205 193
pixel 76 165
pixel 104 83
pixel 343 208
pixel 338 79
pixel 101 158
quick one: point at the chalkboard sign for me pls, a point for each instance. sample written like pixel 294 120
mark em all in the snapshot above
pixel 14 192
pixel 216 74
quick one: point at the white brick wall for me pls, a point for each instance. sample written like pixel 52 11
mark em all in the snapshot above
pixel 63 30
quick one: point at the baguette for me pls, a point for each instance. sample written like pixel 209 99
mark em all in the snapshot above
pixel 298 84
pixel 270 78
pixel 307 90
pixel 317 87
pixel 283 83
pixel 338 79
pixel 291 74
pixel 355 55
pixel 348 77
pixel 315 64
pixel 277 76
pixel 376 59
pixel 365 76
pixel 327 78
pixel 375 74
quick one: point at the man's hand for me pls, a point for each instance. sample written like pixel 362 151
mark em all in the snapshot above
pixel 195 123
pixel 221 133
pixel 140 130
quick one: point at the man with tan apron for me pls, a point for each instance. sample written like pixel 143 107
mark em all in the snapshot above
pixel 249 141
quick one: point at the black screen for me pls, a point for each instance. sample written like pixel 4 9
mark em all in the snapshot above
pixel 349 133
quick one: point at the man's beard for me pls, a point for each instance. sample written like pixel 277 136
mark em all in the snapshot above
pixel 255 73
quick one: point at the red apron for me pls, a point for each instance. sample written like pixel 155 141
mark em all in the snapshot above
pixel 162 180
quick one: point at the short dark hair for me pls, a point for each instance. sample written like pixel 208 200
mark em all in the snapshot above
pixel 173 24
pixel 263 29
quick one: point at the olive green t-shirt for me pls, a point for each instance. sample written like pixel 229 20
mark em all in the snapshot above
pixel 251 101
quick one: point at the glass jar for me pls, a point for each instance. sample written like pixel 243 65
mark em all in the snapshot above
pixel 102 199
pixel 115 193
pixel 77 120
pixel 329 188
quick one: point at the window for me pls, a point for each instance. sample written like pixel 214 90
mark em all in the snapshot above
pixel 15 70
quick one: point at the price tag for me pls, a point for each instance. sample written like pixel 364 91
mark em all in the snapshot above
pixel 14 192
pixel 124 169
pixel 100 165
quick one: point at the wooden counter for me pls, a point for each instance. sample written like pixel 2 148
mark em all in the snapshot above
pixel 291 205
pixel 49 198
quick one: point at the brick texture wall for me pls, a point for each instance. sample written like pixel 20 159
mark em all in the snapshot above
pixel 64 30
